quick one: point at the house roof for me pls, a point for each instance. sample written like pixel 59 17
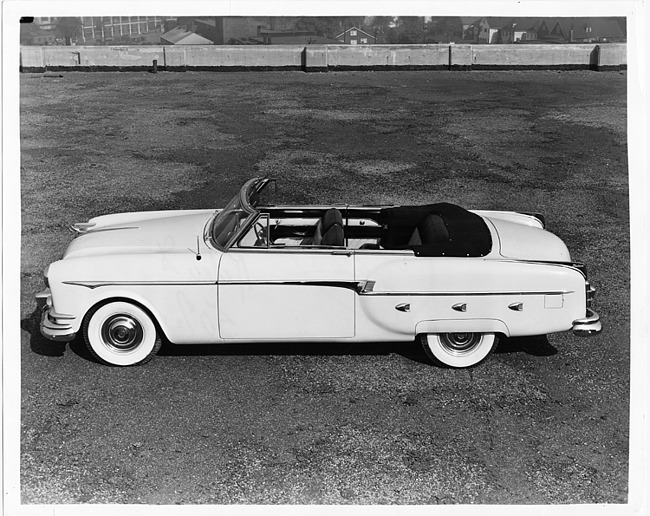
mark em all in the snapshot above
pixel 523 23
pixel 206 21
pixel 600 27
pixel 469 20
pixel 495 22
pixel 269 32
pixel 181 36
pixel 354 28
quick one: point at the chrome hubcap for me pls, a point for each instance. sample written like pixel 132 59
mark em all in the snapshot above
pixel 122 332
pixel 460 343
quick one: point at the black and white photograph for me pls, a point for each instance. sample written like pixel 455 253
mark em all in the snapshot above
pixel 358 256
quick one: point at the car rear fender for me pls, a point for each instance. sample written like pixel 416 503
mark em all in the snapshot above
pixel 462 326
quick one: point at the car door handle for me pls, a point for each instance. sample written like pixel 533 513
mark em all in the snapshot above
pixel 342 253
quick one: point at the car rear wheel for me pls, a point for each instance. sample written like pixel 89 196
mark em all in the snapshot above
pixel 121 334
pixel 458 349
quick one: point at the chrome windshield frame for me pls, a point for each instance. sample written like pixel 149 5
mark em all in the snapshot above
pixel 242 201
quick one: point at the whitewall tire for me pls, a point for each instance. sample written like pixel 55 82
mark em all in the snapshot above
pixel 458 349
pixel 121 334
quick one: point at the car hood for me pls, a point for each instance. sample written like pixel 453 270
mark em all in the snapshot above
pixel 523 242
pixel 141 233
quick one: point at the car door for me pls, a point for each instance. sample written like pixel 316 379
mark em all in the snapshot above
pixel 286 293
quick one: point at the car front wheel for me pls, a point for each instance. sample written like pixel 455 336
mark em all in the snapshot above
pixel 458 349
pixel 121 334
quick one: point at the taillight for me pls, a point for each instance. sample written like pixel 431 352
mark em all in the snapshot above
pixel 591 293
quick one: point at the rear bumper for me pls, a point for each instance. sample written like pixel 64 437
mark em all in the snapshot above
pixel 54 326
pixel 588 325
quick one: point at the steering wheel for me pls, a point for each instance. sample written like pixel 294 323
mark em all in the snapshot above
pixel 260 235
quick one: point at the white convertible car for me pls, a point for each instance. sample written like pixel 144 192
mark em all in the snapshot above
pixel 455 279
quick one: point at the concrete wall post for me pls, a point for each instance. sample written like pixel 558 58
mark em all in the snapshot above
pixel 610 57
pixel 31 59
pixel 315 58
pixel 460 57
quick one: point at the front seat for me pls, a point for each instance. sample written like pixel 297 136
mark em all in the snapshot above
pixel 333 236
pixel 329 230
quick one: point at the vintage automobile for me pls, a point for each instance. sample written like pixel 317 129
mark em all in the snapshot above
pixel 255 272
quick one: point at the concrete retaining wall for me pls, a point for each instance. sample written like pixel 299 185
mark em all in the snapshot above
pixel 119 58
pixel 610 56
pixel 534 56
pixel 244 57
pixel 341 57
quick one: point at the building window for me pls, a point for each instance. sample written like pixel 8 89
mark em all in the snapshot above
pixel 363 41
pixel 587 29
pixel 353 33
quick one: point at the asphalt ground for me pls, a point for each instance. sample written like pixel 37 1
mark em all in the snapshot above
pixel 543 421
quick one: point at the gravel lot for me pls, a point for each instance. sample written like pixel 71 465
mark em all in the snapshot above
pixel 542 421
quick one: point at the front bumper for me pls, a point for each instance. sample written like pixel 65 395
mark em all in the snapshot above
pixel 54 326
pixel 588 325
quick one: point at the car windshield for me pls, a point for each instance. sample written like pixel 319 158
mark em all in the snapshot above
pixel 234 216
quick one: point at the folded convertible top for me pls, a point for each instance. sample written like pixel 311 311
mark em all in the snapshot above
pixel 441 229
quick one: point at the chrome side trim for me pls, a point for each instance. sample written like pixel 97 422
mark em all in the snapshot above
pixel 81 227
pixel 447 294
pixel 86 231
pixel 365 288
pixel 307 249
pixel 362 287
pixel 357 286
pixel 576 266
pixel 97 284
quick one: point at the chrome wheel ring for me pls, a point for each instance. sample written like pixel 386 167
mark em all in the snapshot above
pixel 122 333
pixel 460 343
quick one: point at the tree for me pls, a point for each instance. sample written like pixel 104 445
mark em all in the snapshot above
pixel 445 28
pixel 68 28
pixel 320 25
pixel 380 27
pixel 410 29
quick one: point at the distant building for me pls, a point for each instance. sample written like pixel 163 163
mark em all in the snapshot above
pixel 31 34
pixel 493 30
pixel 489 29
pixel 292 37
pixel 518 30
pixel 224 30
pixel 38 32
pixel 356 36
pixel 45 23
pixel 112 28
pixel 470 28
pixel 182 36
